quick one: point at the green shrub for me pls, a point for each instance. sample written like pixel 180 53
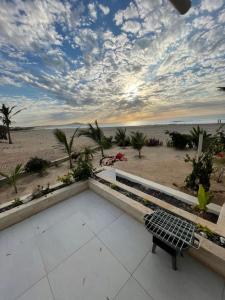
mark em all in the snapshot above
pixel 17 202
pixel 205 229
pixel 13 176
pixel 138 140
pixel 121 139
pixel 179 141
pixel 203 198
pixel 194 134
pixel 201 172
pixel 153 142
pixel 66 179
pixel 83 171
pixel 36 165
pixel 106 142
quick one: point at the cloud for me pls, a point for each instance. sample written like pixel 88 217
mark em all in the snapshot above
pixel 210 5
pixel 146 60
pixel 92 11
pixel 104 9
pixel 131 26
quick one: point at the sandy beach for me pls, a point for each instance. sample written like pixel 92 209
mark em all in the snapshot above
pixel 160 164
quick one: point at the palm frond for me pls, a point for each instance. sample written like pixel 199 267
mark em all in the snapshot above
pixel 71 140
pixel 61 137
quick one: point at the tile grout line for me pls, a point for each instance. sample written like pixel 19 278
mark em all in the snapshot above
pixel 30 287
pixel 45 268
pixel 223 292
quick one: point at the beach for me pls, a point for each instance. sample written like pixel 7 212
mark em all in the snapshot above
pixel 160 164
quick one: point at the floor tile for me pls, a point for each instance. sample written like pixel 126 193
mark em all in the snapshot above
pixel 51 216
pixel 16 235
pixel 19 270
pixel 91 273
pixel 40 291
pixel 132 290
pixel 128 240
pixel 62 240
pixel 98 212
pixel 162 283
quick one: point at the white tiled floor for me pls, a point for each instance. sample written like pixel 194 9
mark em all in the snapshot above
pixel 86 249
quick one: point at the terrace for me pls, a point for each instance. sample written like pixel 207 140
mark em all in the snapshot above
pixel 86 248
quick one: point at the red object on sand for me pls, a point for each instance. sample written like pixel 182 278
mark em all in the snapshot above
pixel 120 156
pixel 220 154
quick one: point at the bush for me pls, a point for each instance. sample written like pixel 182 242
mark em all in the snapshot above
pixel 201 172
pixel 195 132
pixel 153 142
pixel 138 140
pixel 180 141
pixel 36 165
pixel 107 142
pixel 83 171
pixel 66 179
pixel 121 139
pixel 3 133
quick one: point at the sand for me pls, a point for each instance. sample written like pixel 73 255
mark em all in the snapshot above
pixel 160 164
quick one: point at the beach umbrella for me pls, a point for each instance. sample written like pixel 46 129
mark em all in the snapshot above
pixel 181 5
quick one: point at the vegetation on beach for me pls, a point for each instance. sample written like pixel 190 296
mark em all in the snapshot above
pixel 138 140
pixel 7 113
pixel 202 169
pixel 194 135
pixel 36 165
pixel 179 140
pixel 88 153
pixel 83 170
pixel 95 133
pixel 13 176
pixel 153 142
pixel 122 140
pixel 68 145
pixel 3 133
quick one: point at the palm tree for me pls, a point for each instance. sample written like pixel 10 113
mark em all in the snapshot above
pixel 121 138
pixel 138 140
pixel 61 137
pixel 88 154
pixel 96 134
pixel 195 132
pixel 7 114
pixel 13 176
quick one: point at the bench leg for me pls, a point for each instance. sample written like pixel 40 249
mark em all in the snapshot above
pixel 174 262
pixel 153 248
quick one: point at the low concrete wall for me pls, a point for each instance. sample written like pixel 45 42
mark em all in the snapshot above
pixel 19 213
pixel 178 211
pixel 132 208
pixel 214 208
pixel 208 254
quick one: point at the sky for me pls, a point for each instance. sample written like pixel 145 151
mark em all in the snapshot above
pixel 115 61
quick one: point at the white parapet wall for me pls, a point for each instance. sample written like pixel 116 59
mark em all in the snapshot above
pixel 112 173
pixel 21 212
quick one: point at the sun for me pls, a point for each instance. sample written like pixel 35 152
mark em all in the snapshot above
pixel 131 89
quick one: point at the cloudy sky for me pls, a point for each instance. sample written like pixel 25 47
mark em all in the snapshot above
pixel 111 60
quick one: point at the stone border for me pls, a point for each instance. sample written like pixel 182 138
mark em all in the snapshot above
pixel 176 210
pixel 214 208
pixel 26 210
pixel 209 253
